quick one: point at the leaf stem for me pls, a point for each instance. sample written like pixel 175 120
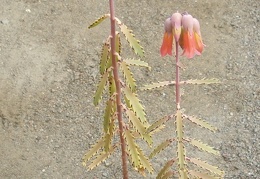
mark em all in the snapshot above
pixel 118 89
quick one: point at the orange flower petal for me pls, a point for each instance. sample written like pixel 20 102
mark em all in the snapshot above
pixel 166 47
pixel 189 49
pixel 198 43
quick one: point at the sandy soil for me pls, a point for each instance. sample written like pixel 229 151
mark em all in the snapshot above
pixel 49 72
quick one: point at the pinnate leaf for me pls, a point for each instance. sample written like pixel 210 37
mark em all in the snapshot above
pixel 132 148
pixel 165 169
pixel 138 49
pixel 104 58
pixel 94 149
pixel 137 63
pixel 167 175
pixel 201 175
pixel 200 122
pixel 206 166
pixel 136 105
pixel 202 81
pixel 157 124
pixel 157 85
pixel 130 81
pixel 99 20
pixel 144 161
pixel 101 87
pixel 203 146
pixel 102 157
pixel 160 148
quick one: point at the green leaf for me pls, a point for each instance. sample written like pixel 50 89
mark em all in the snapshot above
pixel 160 148
pixel 165 169
pixel 144 161
pixel 202 175
pixel 112 84
pixel 130 81
pixel 136 105
pixel 203 146
pixel 200 122
pixel 138 125
pixel 104 58
pixel 94 149
pixel 158 85
pixel 179 125
pixel 107 115
pixel 130 38
pixel 118 43
pixel 137 63
pixel 132 148
pixel 101 87
pixel 99 20
pixel 201 82
pixel 206 166
pixel 101 158
pixel 157 124
pixel 168 175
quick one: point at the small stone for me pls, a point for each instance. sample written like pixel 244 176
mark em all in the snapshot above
pixel 4 21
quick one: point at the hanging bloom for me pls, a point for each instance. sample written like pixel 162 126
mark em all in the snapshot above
pixel 176 25
pixel 166 47
pixel 186 31
pixel 198 40
pixel 188 40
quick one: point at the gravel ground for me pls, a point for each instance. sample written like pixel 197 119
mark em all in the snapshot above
pixel 49 72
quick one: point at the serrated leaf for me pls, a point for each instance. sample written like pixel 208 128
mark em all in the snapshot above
pixel 165 169
pixel 118 43
pixel 130 81
pixel 101 158
pixel 137 63
pixel 157 124
pixel 136 105
pixel 168 175
pixel 202 175
pixel 94 149
pixel 109 132
pixel 99 20
pixel 203 146
pixel 135 121
pixel 144 160
pixel 157 85
pixel 104 58
pixel 200 122
pixel 207 166
pixel 201 82
pixel 179 125
pixel 101 87
pixel 132 148
pixel 112 84
pixel 160 148
pixel 138 49
pixel 107 116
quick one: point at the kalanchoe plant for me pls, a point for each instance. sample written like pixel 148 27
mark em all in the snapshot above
pixel 121 98
pixel 183 30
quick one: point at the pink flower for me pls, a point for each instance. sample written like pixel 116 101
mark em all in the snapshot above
pixel 166 47
pixel 186 31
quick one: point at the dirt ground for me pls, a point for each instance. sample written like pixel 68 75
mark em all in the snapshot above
pixel 49 72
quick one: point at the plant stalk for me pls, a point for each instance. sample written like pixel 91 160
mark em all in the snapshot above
pixel 177 77
pixel 118 89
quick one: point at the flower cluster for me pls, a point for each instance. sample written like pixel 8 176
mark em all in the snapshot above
pixel 186 32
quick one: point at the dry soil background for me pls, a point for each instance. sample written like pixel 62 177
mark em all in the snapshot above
pixel 49 72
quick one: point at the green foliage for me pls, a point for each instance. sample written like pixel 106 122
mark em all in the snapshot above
pixel 132 107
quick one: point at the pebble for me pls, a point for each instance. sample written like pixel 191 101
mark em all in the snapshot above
pixel 5 21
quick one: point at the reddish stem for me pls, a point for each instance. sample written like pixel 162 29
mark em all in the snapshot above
pixel 177 80
pixel 118 89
